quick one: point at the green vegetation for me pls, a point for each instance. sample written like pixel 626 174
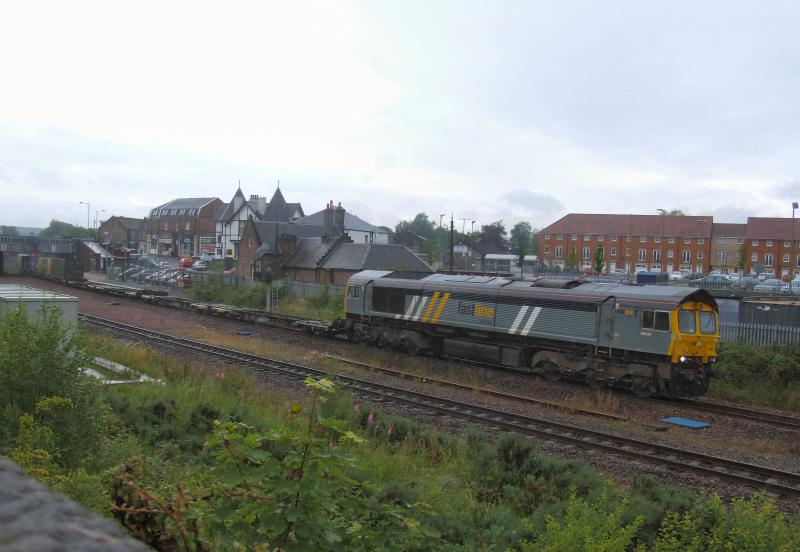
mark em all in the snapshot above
pixel 755 375
pixel 58 229
pixel 323 304
pixel 213 461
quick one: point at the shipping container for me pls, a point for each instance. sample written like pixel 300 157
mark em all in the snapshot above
pixel 33 300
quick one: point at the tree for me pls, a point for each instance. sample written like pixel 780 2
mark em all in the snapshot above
pixel 743 254
pixel 571 262
pixel 598 261
pixel 495 234
pixel 9 230
pixel 675 213
pixel 58 229
pixel 520 240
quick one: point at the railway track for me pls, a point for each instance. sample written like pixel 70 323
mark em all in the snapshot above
pixel 300 325
pixel 777 482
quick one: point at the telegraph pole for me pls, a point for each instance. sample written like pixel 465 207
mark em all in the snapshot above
pixel 451 242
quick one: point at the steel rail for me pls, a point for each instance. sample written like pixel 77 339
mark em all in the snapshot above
pixel 758 416
pixel 776 481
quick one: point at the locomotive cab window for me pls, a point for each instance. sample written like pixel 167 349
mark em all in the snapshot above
pixel 389 300
pixel 355 292
pixel 686 322
pixel 708 323
pixel 655 320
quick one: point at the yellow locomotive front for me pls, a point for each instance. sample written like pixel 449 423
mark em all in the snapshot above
pixel 695 341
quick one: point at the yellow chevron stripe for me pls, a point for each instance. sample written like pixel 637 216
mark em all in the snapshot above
pixel 440 308
pixel 430 307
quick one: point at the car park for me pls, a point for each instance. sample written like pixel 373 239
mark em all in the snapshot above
pixel 770 285
pixel 200 265
pixel 186 262
pixel 717 281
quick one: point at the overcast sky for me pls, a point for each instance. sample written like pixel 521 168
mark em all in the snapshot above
pixel 490 110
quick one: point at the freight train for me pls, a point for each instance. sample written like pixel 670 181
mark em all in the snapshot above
pixel 649 339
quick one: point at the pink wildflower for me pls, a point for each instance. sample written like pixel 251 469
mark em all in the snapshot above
pixel 370 418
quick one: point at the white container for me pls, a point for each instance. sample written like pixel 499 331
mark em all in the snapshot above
pixel 12 295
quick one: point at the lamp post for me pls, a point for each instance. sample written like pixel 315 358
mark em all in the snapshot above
pixel 794 245
pixel 663 261
pixel 95 217
pixel 88 208
pixel 440 220
pixel 471 230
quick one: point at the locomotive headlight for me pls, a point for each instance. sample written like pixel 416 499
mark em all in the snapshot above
pixel 683 359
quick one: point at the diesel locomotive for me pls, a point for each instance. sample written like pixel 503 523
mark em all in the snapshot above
pixel 651 339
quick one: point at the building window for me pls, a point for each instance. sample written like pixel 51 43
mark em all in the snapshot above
pixel 188 226
pixel 613 251
pixel 797 264
pixel 687 241
pixel 769 243
pixel 787 243
pixel 166 227
pixel 627 251
pixel 643 254
pixel 671 239
pixel 574 237
pixel 656 255
pixel 559 252
pixel 586 237
pixel 546 249
pixel 755 243
pixel 614 237
pixel 600 237
pixel 687 256
pixel 721 256
pixel 701 241
pixel 699 254
pixel 670 253
pixel 643 239
pixel 785 259
pixel 547 235
pixel 657 239
pixel 754 257
pixel 585 252
pixel 559 236
pixel 768 259
pixel 722 241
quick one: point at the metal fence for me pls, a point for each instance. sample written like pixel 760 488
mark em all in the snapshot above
pixel 302 289
pixel 763 335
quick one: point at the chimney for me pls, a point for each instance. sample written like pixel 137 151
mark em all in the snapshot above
pixel 338 218
pixel 260 203
pixel 327 225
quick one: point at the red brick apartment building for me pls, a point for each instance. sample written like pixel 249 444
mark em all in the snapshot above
pixel 650 242
pixel 665 243
pixel 183 227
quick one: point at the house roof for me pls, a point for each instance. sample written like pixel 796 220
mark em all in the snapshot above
pixel 187 203
pixel 97 249
pixel 489 248
pixel 278 209
pixel 230 207
pixel 637 225
pixel 269 232
pixel 728 230
pixel 772 228
pixel 220 214
pixel 128 222
pixel 340 255
pixel 351 222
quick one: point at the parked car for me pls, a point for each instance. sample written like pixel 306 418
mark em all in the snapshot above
pixel 185 262
pixel 770 285
pixel 792 287
pixel 200 265
pixel 675 276
pixel 718 281
pixel 204 256
pixel 745 283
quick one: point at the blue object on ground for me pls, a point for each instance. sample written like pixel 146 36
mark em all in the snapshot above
pixel 245 333
pixel 694 424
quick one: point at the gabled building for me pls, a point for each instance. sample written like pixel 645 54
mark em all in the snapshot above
pixel 661 243
pixel 320 253
pixel 231 218
pixel 123 232
pixel 183 227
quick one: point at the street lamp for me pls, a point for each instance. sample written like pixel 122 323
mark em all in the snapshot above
pixel 473 227
pixel 440 220
pixel 95 217
pixel 794 245
pixel 88 208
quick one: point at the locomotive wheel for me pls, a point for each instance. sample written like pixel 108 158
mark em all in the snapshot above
pixel 643 389
pixel 549 370
pixel 408 346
